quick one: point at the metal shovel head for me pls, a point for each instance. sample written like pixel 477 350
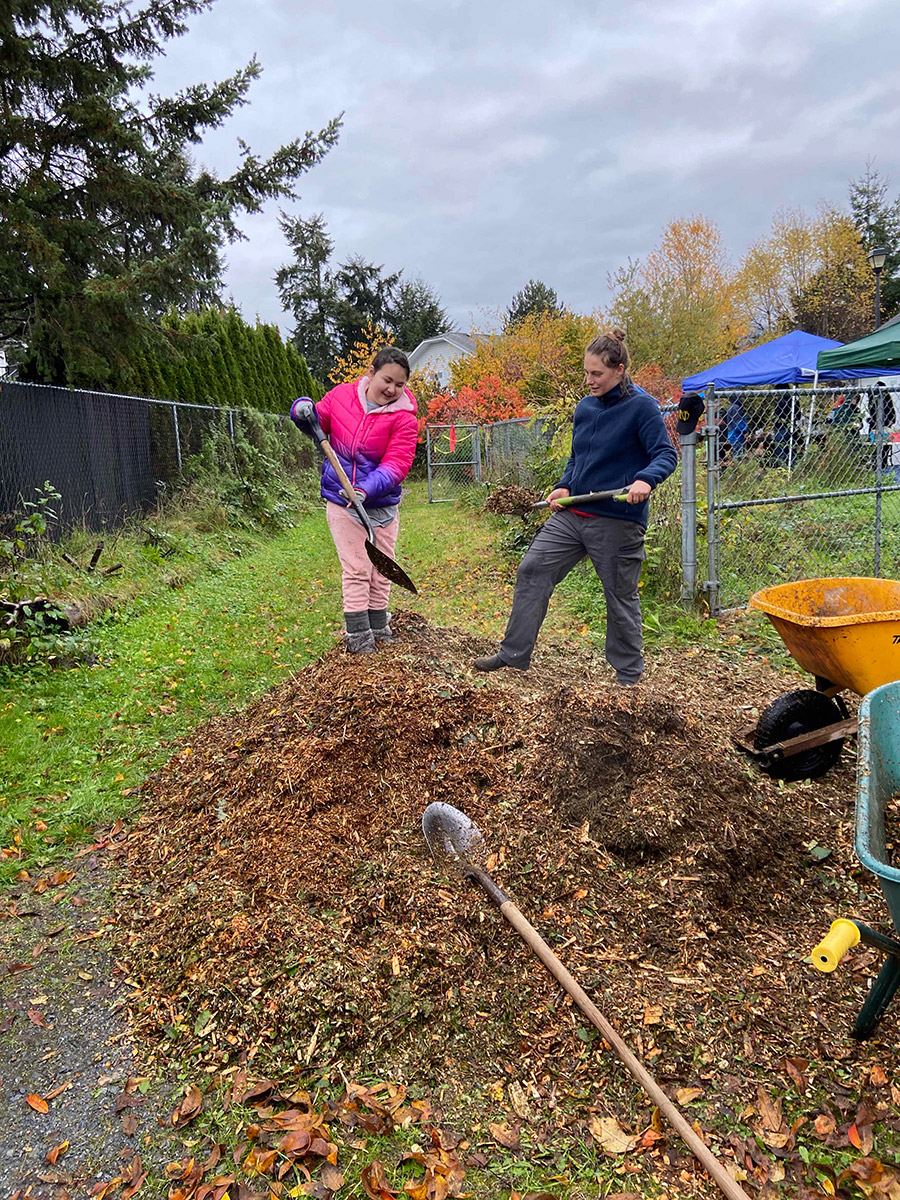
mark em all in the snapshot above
pixel 455 842
pixel 389 568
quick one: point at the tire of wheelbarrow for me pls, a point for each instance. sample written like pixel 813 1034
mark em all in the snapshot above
pixel 791 715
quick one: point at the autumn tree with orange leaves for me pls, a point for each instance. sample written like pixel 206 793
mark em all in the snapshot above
pixel 680 307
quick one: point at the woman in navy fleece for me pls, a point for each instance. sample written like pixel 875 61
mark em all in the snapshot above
pixel 619 440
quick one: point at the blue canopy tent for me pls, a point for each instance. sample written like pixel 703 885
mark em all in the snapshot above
pixel 785 362
pixel 788 359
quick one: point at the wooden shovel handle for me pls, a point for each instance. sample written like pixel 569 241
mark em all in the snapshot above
pixel 672 1114
pixel 343 478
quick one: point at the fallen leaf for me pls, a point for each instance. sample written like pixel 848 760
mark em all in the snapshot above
pixel 58 1091
pixel 505 1136
pixel 188 1108
pixel 519 1100
pixel 375 1182
pixel 37 1018
pixel 38 1103
pixel 331 1177
pixel 610 1137
pixel 687 1094
pixel 129 1124
pixel 52 1155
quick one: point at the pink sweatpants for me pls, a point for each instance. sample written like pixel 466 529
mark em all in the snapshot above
pixel 362 585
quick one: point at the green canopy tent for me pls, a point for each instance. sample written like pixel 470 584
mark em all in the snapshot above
pixel 879 349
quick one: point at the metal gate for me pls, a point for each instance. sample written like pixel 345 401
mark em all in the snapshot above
pixel 800 484
pixel 453 454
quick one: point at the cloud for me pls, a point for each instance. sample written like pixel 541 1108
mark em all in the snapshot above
pixel 487 144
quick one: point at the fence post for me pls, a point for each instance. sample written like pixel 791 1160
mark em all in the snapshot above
pixel 477 455
pixel 712 525
pixel 231 424
pixel 688 443
pixel 428 459
pixel 177 436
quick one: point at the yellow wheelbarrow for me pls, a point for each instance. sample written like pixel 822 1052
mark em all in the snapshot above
pixel 846 633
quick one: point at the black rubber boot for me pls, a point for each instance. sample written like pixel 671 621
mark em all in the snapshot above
pixel 380 624
pixel 360 638
pixel 492 662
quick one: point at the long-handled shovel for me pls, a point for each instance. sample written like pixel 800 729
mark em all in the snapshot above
pixel 456 842
pixel 585 498
pixel 382 562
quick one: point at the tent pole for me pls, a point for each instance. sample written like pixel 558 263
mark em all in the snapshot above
pixel 812 409
pixel 791 442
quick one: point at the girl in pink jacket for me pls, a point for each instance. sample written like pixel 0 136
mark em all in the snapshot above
pixel 371 425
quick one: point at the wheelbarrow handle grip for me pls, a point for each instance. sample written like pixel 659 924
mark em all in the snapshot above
pixel 840 938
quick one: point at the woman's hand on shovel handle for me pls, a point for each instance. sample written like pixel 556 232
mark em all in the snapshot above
pixel 557 494
pixel 638 491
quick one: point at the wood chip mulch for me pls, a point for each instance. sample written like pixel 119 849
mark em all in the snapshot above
pixel 279 902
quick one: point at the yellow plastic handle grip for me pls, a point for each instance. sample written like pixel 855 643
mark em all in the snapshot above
pixel 832 948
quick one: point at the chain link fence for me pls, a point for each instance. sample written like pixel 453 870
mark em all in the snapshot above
pixel 110 455
pixel 454 461
pixel 801 484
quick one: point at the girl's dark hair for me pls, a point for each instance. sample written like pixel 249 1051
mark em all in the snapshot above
pixel 612 349
pixel 390 354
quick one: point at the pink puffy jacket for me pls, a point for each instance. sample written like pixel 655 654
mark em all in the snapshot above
pixel 375 448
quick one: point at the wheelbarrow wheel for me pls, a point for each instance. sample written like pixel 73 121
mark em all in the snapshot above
pixel 790 716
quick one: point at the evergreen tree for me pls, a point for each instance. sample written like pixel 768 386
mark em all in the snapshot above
pixel 366 298
pixel 107 221
pixel 535 297
pixel 416 314
pixel 877 220
pixel 309 291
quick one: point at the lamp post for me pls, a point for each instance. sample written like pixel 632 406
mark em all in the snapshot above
pixel 876 257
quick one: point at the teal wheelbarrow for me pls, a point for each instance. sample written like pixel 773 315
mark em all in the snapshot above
pixel 877 784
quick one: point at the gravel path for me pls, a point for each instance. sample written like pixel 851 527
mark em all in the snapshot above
pixel 65 1047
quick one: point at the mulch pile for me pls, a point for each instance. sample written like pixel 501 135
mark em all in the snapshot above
pixel 511 500
pixel 279 902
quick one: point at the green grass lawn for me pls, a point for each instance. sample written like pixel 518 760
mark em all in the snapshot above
pixel 207 634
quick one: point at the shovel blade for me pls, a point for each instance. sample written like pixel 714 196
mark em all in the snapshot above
pixel 390 569
pixel 454 840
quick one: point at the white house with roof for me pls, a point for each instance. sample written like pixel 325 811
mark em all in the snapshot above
pixel 435 355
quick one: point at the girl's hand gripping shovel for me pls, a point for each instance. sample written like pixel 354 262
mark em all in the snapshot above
pixel 382 563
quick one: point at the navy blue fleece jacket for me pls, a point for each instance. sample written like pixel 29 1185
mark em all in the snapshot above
pixel 617 439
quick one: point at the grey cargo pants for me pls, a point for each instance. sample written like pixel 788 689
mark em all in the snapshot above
pixel 616 548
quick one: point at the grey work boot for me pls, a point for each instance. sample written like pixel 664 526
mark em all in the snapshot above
pixel 380 624
pixel 360 638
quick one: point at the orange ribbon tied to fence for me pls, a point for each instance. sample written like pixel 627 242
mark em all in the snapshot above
pixel 452 438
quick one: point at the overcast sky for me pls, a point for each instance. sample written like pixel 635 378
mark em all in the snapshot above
pixel 488 143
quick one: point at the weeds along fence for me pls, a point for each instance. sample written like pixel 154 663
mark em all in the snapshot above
pixel 112 455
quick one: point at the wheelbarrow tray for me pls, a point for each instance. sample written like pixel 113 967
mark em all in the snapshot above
pixel 877 781
pixel 845 631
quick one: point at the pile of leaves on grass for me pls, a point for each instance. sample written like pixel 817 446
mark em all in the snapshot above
pixel 511 499
pixel 279 903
